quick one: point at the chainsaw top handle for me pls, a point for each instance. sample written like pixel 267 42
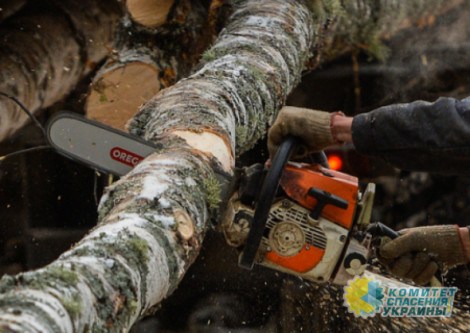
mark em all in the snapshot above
pixel 266 198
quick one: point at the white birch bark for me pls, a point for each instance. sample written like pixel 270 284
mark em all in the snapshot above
pixel 152 221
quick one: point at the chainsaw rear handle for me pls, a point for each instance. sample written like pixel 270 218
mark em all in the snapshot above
pixel 379 229
pixel 266 198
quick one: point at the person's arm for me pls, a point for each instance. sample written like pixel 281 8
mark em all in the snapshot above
pixel 419 136
pixel 341 127
pixel 411 254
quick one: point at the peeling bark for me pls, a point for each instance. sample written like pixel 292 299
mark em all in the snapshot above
pixel 47 49
pixel 242 82
pixel 153 220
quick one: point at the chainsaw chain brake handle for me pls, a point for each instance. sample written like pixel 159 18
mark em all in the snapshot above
pixel 266 198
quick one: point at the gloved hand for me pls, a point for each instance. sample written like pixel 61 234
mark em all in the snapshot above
pixel 419 252
pixel 311 126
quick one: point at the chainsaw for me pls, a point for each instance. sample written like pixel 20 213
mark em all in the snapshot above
pixel 302 219
pixel 298 218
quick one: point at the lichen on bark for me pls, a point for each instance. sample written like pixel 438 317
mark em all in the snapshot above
pixel 136 255
pixel 365 23
pixel 244 78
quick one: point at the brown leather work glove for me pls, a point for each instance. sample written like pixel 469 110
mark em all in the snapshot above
pixel 311 126
pixel 419 252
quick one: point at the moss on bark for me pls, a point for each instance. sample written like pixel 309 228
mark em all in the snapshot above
pixel 135 257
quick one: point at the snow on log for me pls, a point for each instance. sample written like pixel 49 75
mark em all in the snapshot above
pixel 152 221
pixel 46 49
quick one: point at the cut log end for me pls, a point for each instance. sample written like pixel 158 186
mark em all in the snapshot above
pixel 211 144
pixel 150 13
pixel 117 95
pixel 185 225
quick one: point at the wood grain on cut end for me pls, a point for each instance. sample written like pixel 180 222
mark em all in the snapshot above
pixel 118 93
pixel 150 13
pixel 210 143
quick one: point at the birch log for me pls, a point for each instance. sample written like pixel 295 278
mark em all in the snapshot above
pixel 152 221
pixel 47 49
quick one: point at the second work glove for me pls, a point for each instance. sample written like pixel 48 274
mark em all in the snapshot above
pixel 311 126
pixel 418 252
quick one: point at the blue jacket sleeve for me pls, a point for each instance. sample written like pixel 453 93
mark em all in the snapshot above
pixel 422 136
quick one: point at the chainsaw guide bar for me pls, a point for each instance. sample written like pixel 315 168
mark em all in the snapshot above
pixel 91 143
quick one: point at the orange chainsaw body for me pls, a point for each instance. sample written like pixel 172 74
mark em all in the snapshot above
pixel 302 262
pixel 296 181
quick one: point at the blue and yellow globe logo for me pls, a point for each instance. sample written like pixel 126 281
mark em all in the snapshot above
pixel 363 296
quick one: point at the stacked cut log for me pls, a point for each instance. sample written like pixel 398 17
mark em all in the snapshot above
pixel 149 13
pixel 156 44
pixel 46 48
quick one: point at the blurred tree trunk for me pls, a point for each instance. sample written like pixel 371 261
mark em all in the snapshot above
pixel 153 220
pixel 46 49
